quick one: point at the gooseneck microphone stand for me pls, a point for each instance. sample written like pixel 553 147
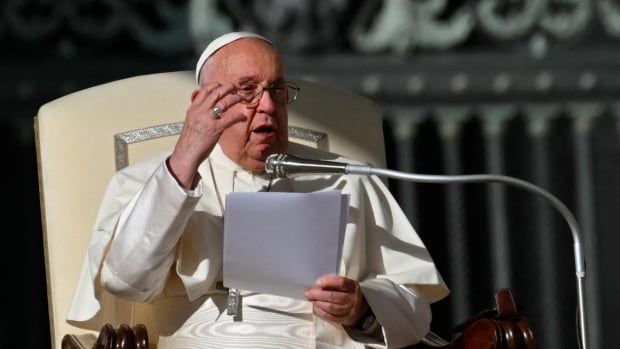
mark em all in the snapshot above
pixel 284 165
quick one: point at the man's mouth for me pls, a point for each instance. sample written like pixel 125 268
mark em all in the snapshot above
pixel 264 130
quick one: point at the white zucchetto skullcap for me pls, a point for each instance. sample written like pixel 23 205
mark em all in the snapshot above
pixel 220 42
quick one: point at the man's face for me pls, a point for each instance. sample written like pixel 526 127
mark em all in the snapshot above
pixel 248 62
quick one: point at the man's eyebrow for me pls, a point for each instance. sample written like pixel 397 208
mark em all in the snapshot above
pixel 244 80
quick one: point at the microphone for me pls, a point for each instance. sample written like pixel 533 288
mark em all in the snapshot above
pixel 284 165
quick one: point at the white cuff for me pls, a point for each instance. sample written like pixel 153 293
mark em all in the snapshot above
pixel 195 192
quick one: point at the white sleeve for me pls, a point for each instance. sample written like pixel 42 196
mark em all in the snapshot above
pixel 403 315
pixel 145 239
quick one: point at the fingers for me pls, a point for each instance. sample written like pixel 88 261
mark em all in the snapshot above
pixel 227 101
pixel 333 289
pixel 328 316
pixel 340 307
pixel 338 283
pixel 206 90
pixel 215 95
pixel 337 299
pixel 202 130
pixel 211 93
pixel 334 309
pixel 194 94
pixel 200 94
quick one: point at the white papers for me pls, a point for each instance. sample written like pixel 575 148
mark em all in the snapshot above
pixel 280 243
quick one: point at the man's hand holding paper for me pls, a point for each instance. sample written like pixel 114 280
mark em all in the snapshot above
pixel 337 299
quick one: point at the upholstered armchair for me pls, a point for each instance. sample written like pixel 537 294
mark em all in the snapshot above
pixel 83 138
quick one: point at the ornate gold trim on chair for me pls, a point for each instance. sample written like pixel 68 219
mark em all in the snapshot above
pixel 122 140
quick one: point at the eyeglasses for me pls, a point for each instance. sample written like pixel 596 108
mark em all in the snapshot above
pixel 280 92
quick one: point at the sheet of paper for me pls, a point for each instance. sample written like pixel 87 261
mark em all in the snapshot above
pixel 280 243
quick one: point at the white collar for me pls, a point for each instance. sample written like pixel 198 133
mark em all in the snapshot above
pixel 223 161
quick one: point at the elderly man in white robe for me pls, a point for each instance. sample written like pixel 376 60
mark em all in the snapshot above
pixel 158 236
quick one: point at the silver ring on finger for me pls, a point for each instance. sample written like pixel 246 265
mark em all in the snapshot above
pixel 217 112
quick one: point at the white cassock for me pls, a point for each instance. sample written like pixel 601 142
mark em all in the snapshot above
pixel 157 242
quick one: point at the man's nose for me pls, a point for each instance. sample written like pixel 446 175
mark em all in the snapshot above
pixel 266 103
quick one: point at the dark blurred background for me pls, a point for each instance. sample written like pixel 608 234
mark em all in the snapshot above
pixel 527 88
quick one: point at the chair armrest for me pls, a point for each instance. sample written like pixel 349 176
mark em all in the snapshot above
pixel 499 328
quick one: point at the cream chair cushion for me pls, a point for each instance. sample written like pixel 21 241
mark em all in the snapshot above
pixel 83 138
